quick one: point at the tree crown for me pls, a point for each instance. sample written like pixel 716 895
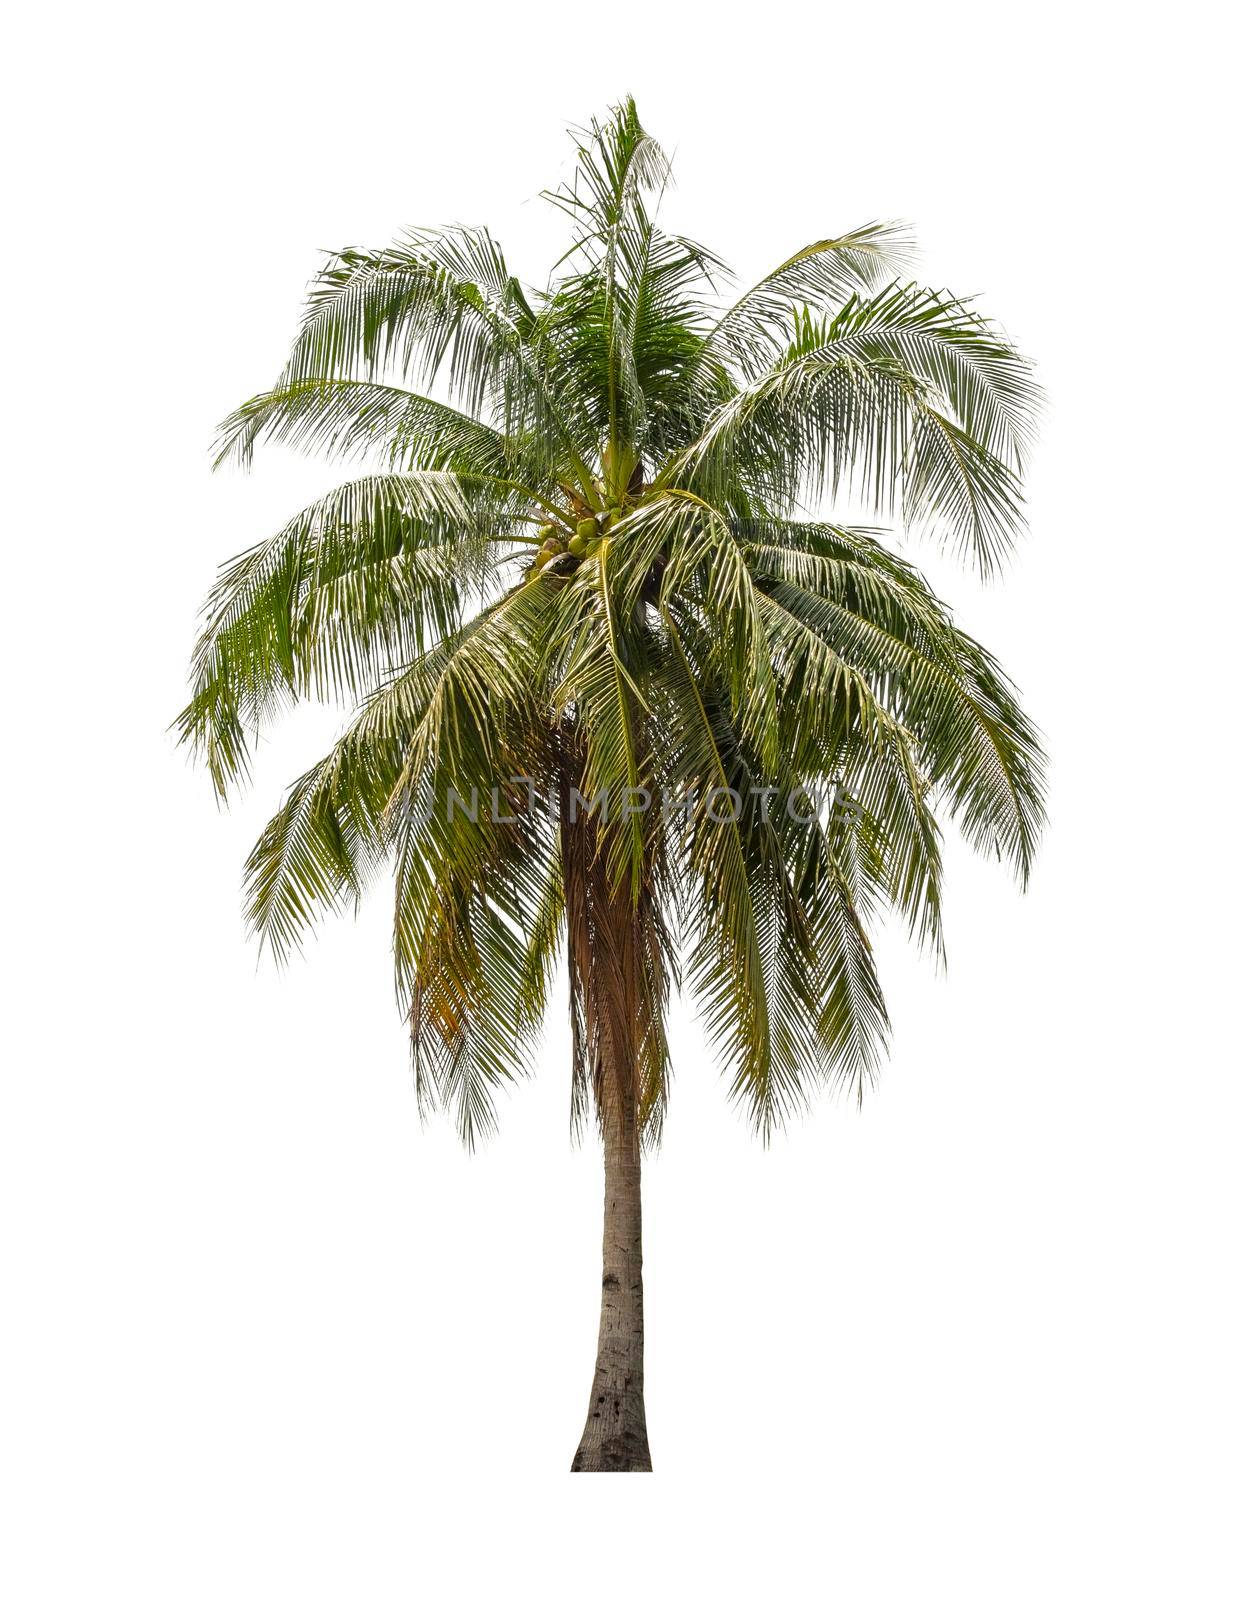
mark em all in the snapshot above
pixel 592 565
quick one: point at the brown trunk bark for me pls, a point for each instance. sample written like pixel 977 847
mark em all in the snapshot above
pixel 615 1430
pixel 615 966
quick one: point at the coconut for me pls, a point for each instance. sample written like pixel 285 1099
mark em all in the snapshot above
pixel 587 528
pixel 576 546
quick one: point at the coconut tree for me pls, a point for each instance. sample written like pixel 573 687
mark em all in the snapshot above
pixel 623 706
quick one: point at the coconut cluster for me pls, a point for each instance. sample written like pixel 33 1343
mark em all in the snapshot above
pixel 581 541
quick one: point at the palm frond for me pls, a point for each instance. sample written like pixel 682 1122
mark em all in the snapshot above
pixel 352 417
pixel 821 276
pixel 906 399
pixel 345 592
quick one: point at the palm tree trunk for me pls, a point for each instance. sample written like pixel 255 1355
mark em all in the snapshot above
pixel 616 972
pixel 615 1430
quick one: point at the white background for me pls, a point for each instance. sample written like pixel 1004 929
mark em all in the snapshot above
pixel 264 1334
